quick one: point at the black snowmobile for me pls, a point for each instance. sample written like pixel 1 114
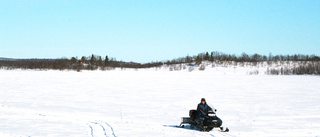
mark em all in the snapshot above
pixel 203 121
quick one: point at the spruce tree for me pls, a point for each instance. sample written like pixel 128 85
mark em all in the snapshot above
pixel 100 61
pixel 92 60
pixel 206 56
pixel 106 61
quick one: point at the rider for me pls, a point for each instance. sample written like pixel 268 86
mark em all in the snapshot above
pixel 203 108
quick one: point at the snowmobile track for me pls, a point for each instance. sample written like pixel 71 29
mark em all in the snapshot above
pixel 91 129
pixel 111 129
pixel 101 129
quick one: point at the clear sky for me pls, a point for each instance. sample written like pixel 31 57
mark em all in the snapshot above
pixel 156 30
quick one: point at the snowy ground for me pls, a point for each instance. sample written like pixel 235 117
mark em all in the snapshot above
pixel 150 103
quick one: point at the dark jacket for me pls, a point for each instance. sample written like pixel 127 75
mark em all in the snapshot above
pixel 204 108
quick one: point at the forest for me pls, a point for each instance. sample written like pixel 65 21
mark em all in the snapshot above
pixel 306 64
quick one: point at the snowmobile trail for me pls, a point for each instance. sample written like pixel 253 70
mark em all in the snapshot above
pixel 91 130
pixel 101 129
pixel 110 128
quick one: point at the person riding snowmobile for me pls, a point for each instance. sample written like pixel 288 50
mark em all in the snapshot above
pixel 203 108
pixel 204 118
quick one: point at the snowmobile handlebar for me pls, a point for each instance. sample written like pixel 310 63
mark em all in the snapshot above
pixel 215 110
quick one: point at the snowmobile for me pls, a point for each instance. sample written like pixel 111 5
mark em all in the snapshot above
pixel 203 121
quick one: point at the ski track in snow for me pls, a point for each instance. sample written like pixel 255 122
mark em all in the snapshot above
pixel 104 130
pixel 91 129
pixel 101 129
pixel 111 129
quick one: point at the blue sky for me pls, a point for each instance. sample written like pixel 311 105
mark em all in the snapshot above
pixel 149 30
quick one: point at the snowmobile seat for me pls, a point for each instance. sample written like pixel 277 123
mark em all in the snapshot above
pixel 193 114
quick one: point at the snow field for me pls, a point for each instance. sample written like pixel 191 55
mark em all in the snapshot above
pixel 150 103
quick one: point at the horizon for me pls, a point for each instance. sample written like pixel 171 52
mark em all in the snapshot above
pixel 103 57
pixel 150 31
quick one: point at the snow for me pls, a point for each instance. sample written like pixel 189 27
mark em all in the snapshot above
pixel 151 102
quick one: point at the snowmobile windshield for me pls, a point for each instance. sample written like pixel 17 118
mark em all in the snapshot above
pixel 211 106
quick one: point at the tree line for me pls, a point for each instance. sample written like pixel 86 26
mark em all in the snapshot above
pixel 219 56
pixel 94 62
pixel 302 68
